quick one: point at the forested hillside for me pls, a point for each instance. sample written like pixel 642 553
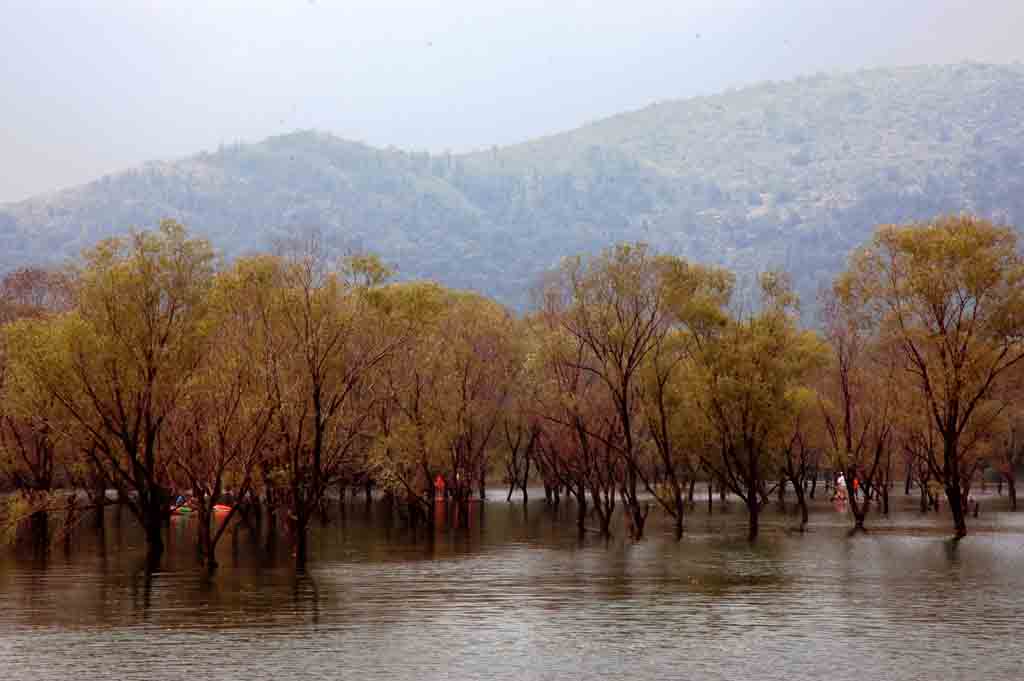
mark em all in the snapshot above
pixel 780 174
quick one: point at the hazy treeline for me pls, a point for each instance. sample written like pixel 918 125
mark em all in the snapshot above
pixel 789 173
pixel 153 368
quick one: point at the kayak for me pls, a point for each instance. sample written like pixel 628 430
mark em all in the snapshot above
pixel 217 508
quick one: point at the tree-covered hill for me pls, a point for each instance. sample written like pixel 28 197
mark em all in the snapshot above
pixel 787 174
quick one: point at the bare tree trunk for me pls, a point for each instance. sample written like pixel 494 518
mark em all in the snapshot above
pixel 754 512
pixel 301 538
pixel 325 517
pixel 604 505
pixel 858 509
pixel 581 510
pixel 886 483
pixel 154 536
pixel 956 506
pixel 605 519
pixel 39 528
pixel 301 547
pixel 951 467
pixel 681 512
pixel 99 499
pixel 526 480
pixel 802 502
pixel 205 543
pixel 637 515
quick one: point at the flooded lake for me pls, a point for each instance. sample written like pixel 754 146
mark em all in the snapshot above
pixel 518 596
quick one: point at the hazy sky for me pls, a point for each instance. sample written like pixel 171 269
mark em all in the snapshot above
pixel 95 86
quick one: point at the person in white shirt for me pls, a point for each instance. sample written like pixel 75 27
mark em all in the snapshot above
pixel 841 488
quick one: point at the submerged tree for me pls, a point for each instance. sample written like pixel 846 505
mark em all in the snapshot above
pixel 801 450
pixel 221 428
pixel 34 442
pixel 478 369
pixel 617 308
pixel 858 389
pixel 949 295
pixel 751 378
pixel 120 361
pixel 1007 458
pixel 578 448
pixel 697 297
pixel 323 337
pixel 448 393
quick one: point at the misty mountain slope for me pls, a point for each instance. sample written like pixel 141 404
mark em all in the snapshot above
pixel 789 174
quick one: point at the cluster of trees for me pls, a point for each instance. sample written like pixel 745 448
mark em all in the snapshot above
pixel 153 368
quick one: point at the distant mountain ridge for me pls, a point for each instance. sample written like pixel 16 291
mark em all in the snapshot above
pixel 790 174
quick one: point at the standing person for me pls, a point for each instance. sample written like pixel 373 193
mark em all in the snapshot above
pixel 840 494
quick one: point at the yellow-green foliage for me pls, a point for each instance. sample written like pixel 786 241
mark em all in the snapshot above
pixel 948 297
pixel 752 377
pixel 447 389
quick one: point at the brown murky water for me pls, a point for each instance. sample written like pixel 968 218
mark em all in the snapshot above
pixel 517 596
